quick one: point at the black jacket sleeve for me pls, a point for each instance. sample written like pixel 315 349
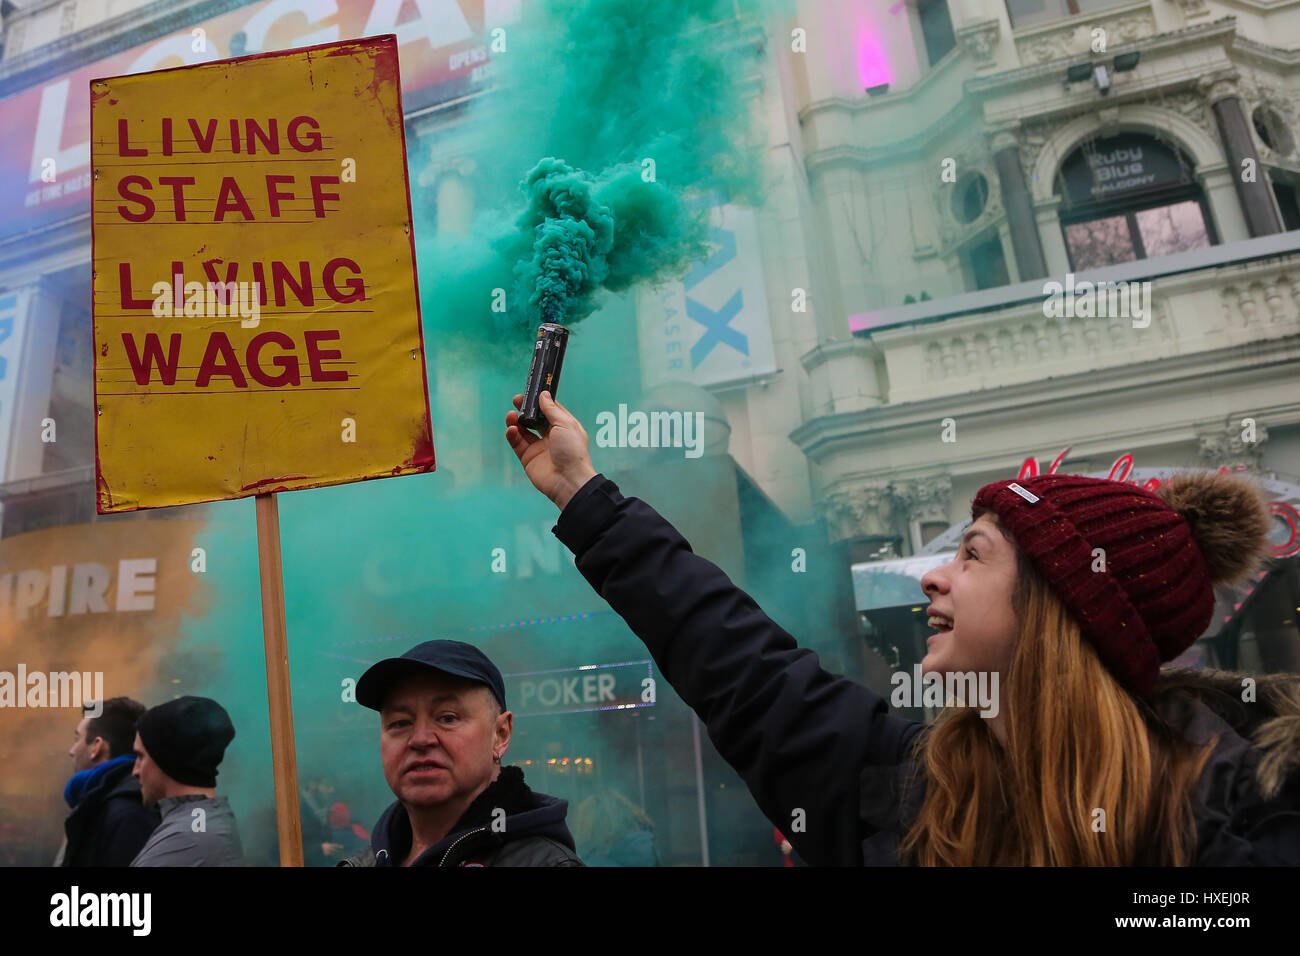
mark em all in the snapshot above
pixel 798 735
pixel 124 830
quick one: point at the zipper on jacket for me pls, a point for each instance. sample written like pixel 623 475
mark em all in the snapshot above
pixel 443 861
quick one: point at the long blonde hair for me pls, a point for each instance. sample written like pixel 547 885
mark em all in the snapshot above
pixel 1077 743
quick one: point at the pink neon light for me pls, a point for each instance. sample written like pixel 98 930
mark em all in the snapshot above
pixel 873 65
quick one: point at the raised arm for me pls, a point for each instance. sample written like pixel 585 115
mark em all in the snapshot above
pixel 798 735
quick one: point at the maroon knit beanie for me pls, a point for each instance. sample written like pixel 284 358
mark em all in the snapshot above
pixel 1148 593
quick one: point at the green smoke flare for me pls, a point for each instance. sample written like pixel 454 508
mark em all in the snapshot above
pixel 593 96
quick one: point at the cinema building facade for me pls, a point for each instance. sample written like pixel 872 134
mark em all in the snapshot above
pixel 914 312
pixel 1049 146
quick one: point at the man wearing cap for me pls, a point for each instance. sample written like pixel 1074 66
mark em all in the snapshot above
pixel 178 746
pixel 443 729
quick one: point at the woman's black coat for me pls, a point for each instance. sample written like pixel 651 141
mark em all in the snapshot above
pixel 822 755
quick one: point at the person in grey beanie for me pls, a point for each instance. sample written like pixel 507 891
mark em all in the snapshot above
pixel 178 746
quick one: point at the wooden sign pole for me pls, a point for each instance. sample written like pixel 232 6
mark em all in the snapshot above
pixel 284 757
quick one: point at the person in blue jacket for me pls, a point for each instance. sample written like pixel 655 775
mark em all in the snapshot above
pixel 108 823
pixel 1067 594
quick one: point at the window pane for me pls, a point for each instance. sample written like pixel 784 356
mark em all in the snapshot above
pixel 1171 229
pixel 1026 13
pixel 1092 6
pixel 1101 242
pixel 936 27
pixel 988 264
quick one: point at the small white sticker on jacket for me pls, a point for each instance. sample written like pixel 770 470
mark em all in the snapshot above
pixel 1023 493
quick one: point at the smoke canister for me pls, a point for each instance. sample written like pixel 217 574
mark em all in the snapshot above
pixel 543 374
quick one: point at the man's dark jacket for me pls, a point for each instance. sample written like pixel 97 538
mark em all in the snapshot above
pixel 531 832
pixel 821 749
pixel 110 825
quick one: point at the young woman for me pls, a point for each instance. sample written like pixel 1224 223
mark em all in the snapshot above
pixel 1071 590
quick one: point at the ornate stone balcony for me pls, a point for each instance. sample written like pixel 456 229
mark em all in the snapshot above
pixel 1016 335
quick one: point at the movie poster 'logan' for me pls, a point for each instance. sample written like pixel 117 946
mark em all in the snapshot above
pixel 256 315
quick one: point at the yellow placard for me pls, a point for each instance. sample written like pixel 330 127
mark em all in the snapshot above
pixel 257 321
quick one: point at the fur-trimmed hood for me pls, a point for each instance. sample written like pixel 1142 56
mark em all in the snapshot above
pixel 1247 800
pixel 1264 709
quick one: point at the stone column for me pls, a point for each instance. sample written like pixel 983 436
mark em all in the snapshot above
pixel 456 199
pixel 1025 243
pixel 1256 197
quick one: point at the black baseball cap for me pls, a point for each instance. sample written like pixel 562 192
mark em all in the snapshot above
pixel 448 657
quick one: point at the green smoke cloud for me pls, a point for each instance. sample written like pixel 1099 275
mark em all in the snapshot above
pixel 590 233
pixel 565 220
pixel 614 119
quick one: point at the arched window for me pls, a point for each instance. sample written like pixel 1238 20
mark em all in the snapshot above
pixel 1129 197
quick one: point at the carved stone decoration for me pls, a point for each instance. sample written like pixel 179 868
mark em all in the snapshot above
pixel 1287 145
pixel 1032 140
pixel 1128 28
pixel 1194 10
pixel 1219 85
pixel 863 510
pixel 1044 49
pixel 980 41
pixel 1076 40
pixel 924 499
pixel 1226 449
pixel 1192 105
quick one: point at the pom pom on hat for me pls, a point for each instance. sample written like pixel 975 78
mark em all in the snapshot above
pixel 1229 518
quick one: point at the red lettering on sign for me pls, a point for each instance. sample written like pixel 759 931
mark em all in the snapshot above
pixel 124 289
pixel 280 277
pixel 229 199
pixel 219 347
pixel 318 196
pixel 142 366
pixel 254 132
pixel 315 355
pixel 142 199
pixel 273 195
pixel 355 286
pixel 313 140
pixel 178 184
pixel 204 142
pixel 123 147
pixel 288 364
